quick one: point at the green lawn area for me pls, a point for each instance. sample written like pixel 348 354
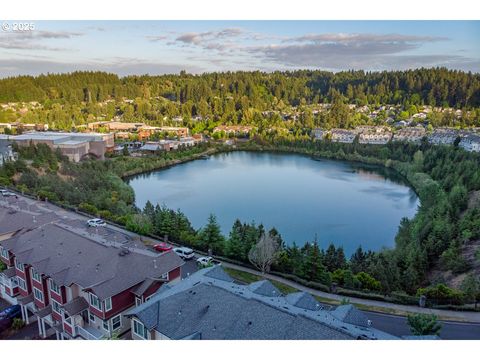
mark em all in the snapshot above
pixel 247 278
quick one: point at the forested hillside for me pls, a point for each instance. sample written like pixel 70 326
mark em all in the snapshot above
pixel 436 87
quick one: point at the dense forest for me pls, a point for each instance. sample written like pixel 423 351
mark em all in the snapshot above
pixel 260 90
pixel 445 179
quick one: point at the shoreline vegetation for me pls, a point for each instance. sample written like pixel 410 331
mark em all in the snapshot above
pixel 442 177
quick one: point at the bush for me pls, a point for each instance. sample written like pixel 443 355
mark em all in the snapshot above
pixel 88 208
pixel 360 294
pixel 18 324
pixel 442 295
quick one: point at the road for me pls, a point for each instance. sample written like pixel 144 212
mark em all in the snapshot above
pixel 397 325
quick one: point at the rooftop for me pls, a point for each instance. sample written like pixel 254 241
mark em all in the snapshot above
pixel 211 306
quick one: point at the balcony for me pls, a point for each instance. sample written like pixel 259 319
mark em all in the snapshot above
pixel 89 333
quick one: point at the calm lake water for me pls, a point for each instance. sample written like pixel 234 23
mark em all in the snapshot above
pixel 343 203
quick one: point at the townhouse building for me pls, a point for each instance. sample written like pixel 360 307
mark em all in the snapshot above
pixel 74 281
pixel 443 136
pixel 470 142
pixel 410 134
pixel 209 305
pixel 342 136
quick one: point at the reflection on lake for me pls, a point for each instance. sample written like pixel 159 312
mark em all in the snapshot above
pixel 344 203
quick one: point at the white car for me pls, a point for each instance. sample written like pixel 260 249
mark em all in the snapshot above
pixel 184 252
pixel 96 222
pixel 204 261
pixel 7 193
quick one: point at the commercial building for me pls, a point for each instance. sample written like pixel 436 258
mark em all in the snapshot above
pixel 76 146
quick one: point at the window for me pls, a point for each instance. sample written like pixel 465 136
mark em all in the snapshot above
pixel 22 284
pixel 4 253
pixel 56 307
pixel 106 326
pixel 138 301
pixel 54 287
pixel 19 266
pixel 139 329
pixel 95 302
pixel 69 321
pixel 38 294
pixel 36 276
pixel 108 304
pixel 91 317
pixel 116 322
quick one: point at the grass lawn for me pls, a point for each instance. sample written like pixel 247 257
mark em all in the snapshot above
pixel 247 278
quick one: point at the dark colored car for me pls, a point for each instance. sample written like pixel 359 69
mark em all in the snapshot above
pixel 162 247
pixel 7 315
pixel 11 312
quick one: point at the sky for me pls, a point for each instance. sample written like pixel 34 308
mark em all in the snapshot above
pixel 160 47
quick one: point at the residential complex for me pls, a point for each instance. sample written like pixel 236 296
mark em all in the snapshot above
pixel 75 281
pixel 209 305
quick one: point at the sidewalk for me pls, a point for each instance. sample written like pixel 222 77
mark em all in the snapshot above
pixel 463 316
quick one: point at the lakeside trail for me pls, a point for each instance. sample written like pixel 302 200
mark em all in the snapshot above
pixel 366 304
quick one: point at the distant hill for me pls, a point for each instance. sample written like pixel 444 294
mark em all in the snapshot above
pixel 436 87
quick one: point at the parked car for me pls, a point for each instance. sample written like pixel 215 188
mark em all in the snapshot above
pixel 205 261
pixel 8 315
pixel 11 312
pixel 184 252
pixel 96 222
pixel 162 247
pixel 7 193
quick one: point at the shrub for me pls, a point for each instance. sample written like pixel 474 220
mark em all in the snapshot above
pixel 88 208
pixel 424 324
pixel 441 295
pixel 18 324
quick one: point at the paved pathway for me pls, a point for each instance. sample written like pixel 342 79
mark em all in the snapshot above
pixel 463 316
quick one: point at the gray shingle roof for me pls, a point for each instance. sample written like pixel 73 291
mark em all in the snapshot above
pixel 214 309
pixel 217 272
pixel 75 306
pixel 351 315
pixel 9 273
pixel 303 300
pixel 265 288
pixel 69 257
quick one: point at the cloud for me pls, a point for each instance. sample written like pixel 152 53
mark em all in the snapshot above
pixel 120 66
pixel 33 40
pixel 364 38
pixel 358 51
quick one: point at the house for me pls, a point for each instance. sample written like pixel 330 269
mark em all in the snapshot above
pixel 374 138
pixel 6 151
pixel 443 136
pixel 75 282
pixel 318 134
pixel 76 146
pixel 410 134
pixel 470 142
pixel 209 305
pixel 233 129
pixel 342 136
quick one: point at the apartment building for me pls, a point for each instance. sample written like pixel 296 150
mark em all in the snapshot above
pixel 342 136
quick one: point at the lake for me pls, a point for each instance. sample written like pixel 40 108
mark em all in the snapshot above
pixel 344 203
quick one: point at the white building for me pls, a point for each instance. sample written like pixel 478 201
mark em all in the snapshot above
pixel 470 142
